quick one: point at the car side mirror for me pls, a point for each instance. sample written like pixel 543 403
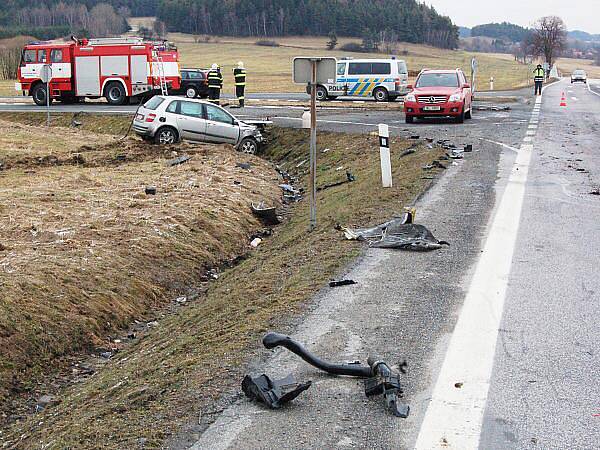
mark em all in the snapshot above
pixel 410 86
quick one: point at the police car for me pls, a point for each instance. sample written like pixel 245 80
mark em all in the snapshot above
pixel 382 79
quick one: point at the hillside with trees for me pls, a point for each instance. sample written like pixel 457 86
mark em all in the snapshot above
pixel 504 31
pixel 405 20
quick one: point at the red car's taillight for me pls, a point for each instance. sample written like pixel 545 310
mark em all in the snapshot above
pixel 150 117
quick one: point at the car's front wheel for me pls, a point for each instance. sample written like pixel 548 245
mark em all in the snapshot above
pixel 410 119
pixel 469 113
pixel 321 93
pixel 249 146
pixel 166 136
pixel 461 117
pixel 191 92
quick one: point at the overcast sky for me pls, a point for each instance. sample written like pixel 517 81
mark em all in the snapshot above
pixel 577 14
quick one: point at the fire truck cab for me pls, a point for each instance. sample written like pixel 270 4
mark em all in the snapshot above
pixel 118 69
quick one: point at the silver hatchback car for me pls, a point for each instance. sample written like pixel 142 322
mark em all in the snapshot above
pixel 166 120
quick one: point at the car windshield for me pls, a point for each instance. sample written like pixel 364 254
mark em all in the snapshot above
pixel 153 103
pixel 437 80
pixel 579 72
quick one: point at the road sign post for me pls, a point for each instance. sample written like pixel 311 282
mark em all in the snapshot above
pixel 46 76
pixel 474 65
pixel 314 71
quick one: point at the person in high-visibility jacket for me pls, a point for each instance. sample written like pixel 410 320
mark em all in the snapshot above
pixel 538 77
pixel 239 74
pixel 215 84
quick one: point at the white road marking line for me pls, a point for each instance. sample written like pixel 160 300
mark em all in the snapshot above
pixel 574 98
pixel 455 414
pixel 532 127
pixel 514 149
pixel 592 91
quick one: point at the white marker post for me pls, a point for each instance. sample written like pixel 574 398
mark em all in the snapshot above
pixel 384 155
pixel 491 83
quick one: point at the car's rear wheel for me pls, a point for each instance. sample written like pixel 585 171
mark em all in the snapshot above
pixel 191 92
pixel 410 119
pixel 249 146
pixel 166 136
pixel 380 94
pixel 115 93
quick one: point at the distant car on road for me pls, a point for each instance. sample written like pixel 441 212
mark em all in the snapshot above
pixel 579 75
pixel 439 93
pixel 167 120
pixel 194 83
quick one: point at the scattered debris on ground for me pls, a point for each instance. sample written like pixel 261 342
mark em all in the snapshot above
pixel 380 378
pixel 349 179
pixel 491 108
pixel 273 393
pixel 336 283
pixel 267 215
pixel 179 160
pixel 396 234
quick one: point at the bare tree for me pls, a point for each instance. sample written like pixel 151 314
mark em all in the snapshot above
pixel 549 38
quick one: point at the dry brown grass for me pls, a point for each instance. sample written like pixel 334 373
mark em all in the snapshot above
pixel 180 367
pixel 83 251
pixel 568 65
pixel 269 68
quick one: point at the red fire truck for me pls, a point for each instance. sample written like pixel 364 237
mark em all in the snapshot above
pixel 115 68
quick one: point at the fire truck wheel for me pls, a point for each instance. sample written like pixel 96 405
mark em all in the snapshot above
pixel 39 95
pixel 166 135
pixel 115 93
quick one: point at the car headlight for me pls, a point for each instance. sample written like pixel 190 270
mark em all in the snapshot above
pixel 454 98
pixel 410 98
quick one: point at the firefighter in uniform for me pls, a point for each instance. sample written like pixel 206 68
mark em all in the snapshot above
pixel 215 84
pixel 538 77
pixel 239 74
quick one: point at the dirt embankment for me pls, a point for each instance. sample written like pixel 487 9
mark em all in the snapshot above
pixel 84 250
pixel 173 377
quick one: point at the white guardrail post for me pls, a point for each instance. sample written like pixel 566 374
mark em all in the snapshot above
pixel 384 155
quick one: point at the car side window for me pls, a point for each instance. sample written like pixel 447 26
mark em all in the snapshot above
pixel 191 109
pixel 341 69
pixel 195 76
pixel 184 75
pixel 172 108
pixel 359 68
pixel 56 56
pixel 218 115
pixel 41 56
pixel 380 68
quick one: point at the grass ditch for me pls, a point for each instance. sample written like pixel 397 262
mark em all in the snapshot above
pixel 177 371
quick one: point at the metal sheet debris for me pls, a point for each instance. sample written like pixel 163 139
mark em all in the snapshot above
pixel 336 283
pixel 179 160
pixel 268 215
pixel 396 234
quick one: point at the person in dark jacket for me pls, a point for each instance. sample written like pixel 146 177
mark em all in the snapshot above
pixel 215 84
pixel 239 73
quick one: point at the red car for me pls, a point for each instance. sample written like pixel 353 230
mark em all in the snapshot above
pixel 439 93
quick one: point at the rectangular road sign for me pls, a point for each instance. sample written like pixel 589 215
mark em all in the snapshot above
pixel 302 69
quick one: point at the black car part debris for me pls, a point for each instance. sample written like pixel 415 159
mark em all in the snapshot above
pixel 379 377
pixel 272 340
pixel 273 393
pixel 178 160
pixel 336 283
pixel 396 234
pixel 267 215
pixel 150 190
pixel 349 179
pixel 243 165
pixel 387 382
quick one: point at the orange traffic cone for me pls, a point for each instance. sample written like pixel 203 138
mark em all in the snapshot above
pixel 563 100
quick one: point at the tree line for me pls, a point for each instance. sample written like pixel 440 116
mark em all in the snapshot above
pixel 408 20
